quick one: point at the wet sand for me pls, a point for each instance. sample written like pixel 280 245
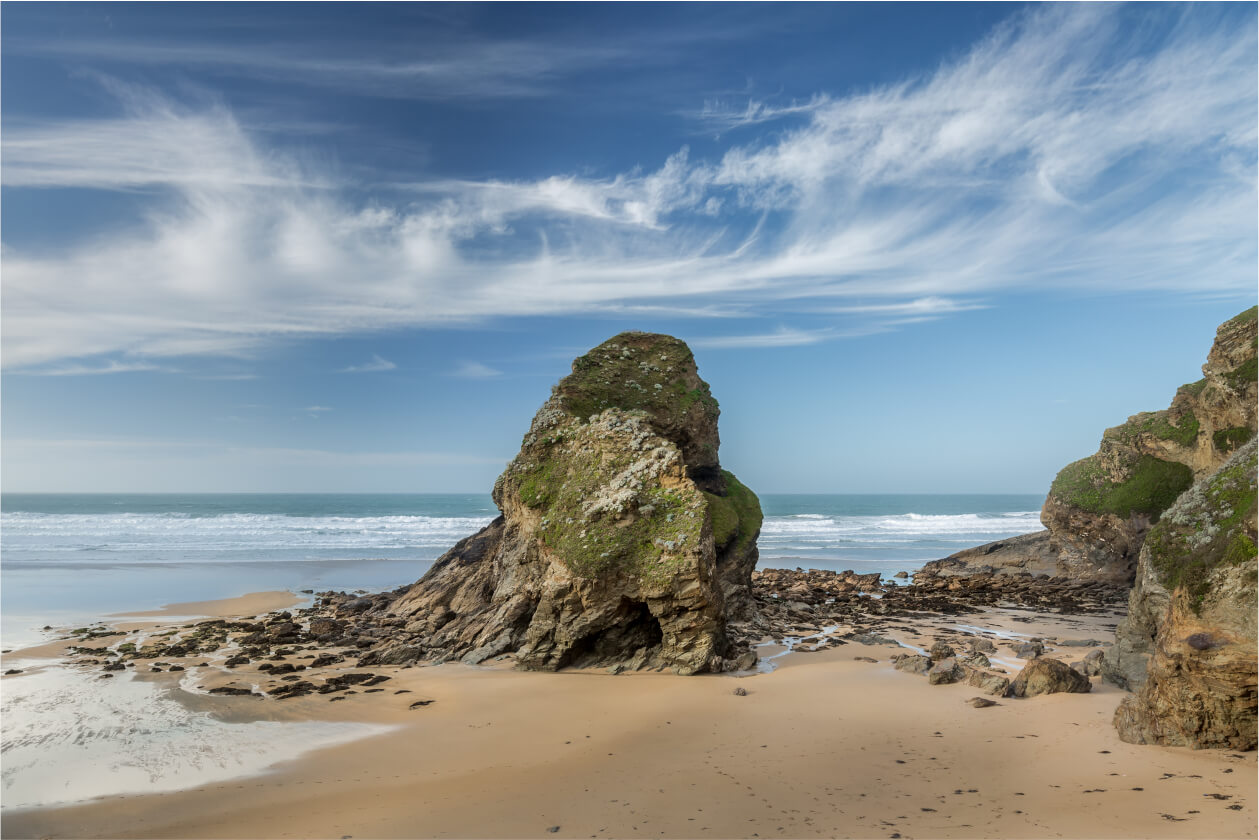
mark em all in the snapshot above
pixel 823 746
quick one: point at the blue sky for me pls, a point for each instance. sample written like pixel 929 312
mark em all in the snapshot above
pixel 916 248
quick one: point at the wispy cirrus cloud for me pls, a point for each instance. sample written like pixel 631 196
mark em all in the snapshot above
pixel 376 365
pixel 475 370
pixel 1035 162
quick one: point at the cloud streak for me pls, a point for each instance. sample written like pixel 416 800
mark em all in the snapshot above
pixel 1033 163
pixel 376 365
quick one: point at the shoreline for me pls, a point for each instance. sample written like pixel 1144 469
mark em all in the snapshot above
pixel 823 745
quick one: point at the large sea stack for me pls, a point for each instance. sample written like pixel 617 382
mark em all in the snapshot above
pixel 622 543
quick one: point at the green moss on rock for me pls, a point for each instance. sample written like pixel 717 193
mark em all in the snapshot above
pixel 1206 529
pixel 736 517
pixel 637 371
pixel 1243 374
pixel 1182 429
pixel 1247 317
pixel 1226 440
pixel 1150 488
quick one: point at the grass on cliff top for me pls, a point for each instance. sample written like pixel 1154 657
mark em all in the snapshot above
pixel 1247 317
pixel 736 517
pixel 1206 531
pixel 654 373
pixel 1159 424
pixel 1150 489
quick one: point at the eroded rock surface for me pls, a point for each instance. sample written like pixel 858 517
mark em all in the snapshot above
pixel 1188 646
pixel 622 542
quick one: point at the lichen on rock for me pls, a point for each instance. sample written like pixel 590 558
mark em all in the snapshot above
pixel 1188 645
pixel 622 541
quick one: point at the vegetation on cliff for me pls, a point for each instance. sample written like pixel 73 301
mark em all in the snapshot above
pixel 1149 488
pixel 1206 529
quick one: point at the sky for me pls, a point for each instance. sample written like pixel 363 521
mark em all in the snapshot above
pixel 922 248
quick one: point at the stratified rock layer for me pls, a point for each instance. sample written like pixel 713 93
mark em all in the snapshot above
pixel 1188 645
pixel 622 542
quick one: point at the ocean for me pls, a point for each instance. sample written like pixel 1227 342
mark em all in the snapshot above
pixel 67 558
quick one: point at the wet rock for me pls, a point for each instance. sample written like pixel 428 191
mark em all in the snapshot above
pixel 234 661
pixel 1049 676
pixel 232 691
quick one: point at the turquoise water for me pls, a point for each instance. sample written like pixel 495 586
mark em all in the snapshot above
pixel 68 558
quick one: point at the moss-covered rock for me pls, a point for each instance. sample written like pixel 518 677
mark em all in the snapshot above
pixel 622 542
pixel 1188 645
pixel 1099 509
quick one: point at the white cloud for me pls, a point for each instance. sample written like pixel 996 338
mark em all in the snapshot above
pixel 1034 162
pixel 475 370
pixel 375 365
pixel 111 366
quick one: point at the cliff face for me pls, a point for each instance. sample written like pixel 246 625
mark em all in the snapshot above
pixel 1099 509
pixel 1188 645
pixel 621 540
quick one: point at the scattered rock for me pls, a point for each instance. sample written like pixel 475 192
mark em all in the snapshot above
pixel 912 663
pixel 1049 676
pixel 740 691
pixel 982 702
pixel 945 671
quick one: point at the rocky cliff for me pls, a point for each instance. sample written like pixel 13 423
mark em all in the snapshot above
pixel 1188 646
pixel 621 542
pixel 1099 509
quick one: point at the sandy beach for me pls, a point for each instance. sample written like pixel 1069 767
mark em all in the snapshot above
pixel 824 745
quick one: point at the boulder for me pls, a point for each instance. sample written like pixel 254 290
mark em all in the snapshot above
pixel 1188 646
pixel 941 650
pixel 945 671
pixel 619 530
pixel 911 663
pixel 990 682
pixel 1048 676
pixel 1091 665
pixel 1028 650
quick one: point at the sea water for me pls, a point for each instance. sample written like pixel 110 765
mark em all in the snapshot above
pixel 67 560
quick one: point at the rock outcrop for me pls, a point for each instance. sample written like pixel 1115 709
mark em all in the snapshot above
pixel 1188 646
pixel 1049 676
pixel 1099 509
pixel 621 542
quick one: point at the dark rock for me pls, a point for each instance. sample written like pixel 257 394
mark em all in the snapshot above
pixel 418 703
pixel 941 650
pixel 13 671
pixel 232 662
pixel 232 691
pixel 740 691
pixel 982 702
